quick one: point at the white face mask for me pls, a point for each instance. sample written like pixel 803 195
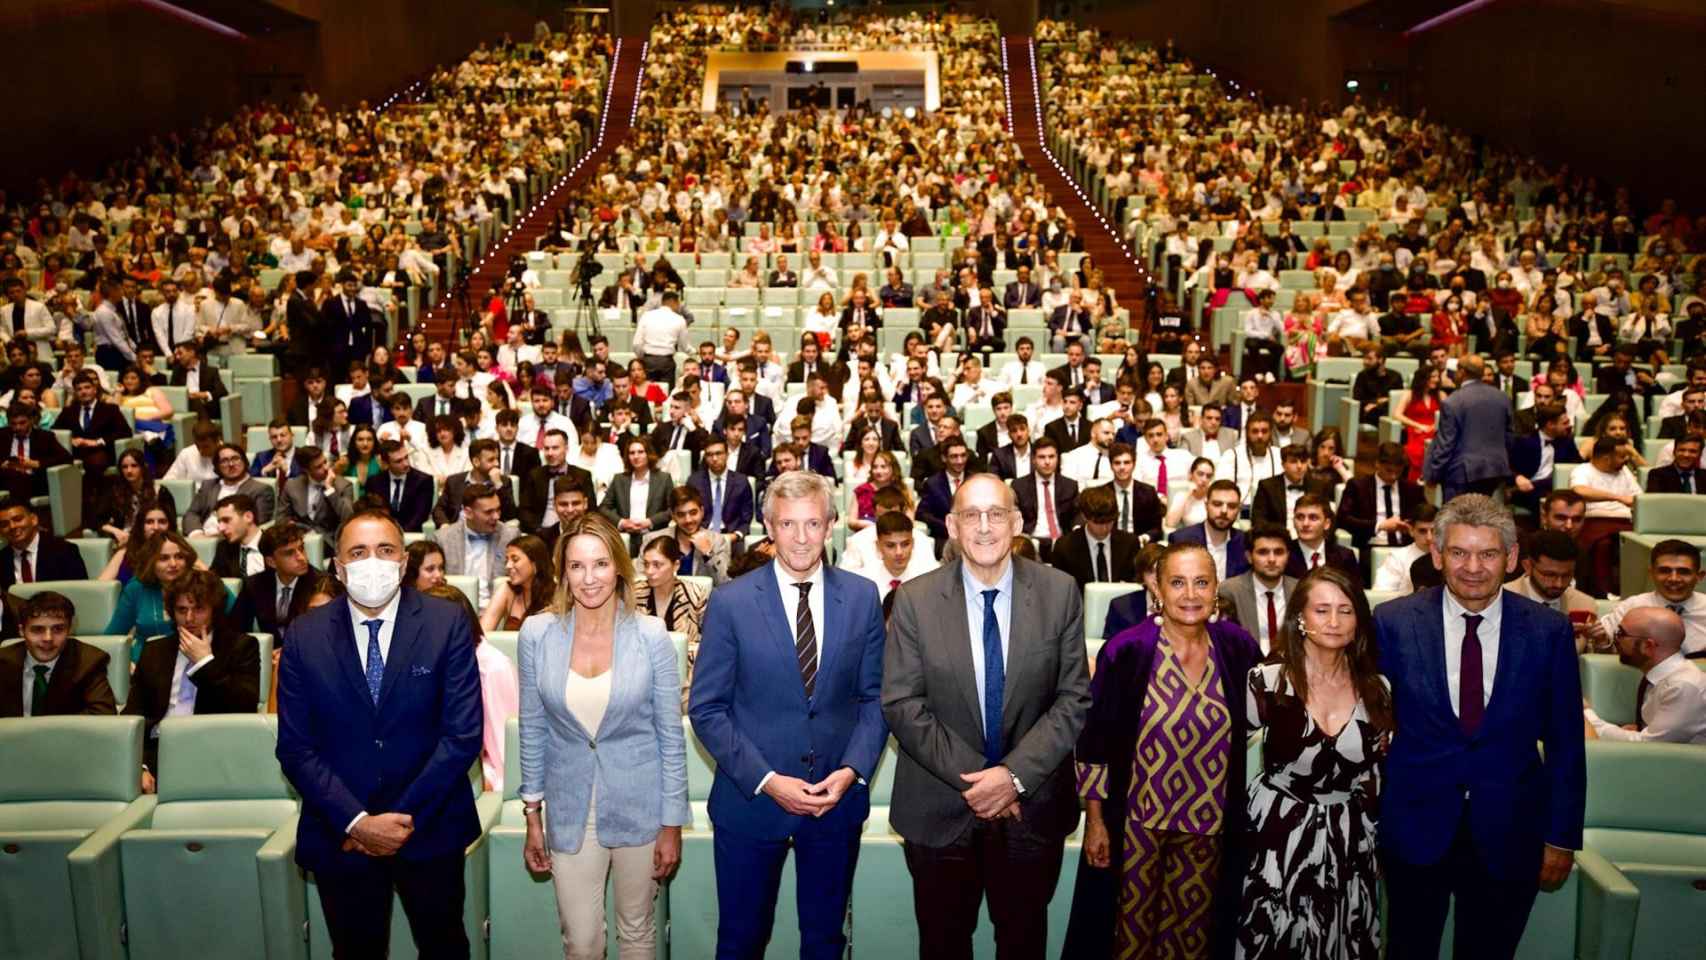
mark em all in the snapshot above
pixel 373 581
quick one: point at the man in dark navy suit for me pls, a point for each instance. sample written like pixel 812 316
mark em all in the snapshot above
pixel 1486 778
pixel 351 323
pixel 727 492
pixel 379 721
pixel 791 770
pixel 1535 458
pixel 406 490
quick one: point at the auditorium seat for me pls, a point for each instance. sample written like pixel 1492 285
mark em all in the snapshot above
pixel 1610 686
pixel 1097 597
pixel 60 873
pixel 95 600
pixel 1669 513
pixel 194 859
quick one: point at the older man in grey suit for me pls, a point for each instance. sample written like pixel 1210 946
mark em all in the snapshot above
pixel 985 688
pixel 474 545
pixel 1468 453
pixel 316 498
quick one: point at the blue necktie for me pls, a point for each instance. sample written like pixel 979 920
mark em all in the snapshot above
pixel 186 692
pixel 716 506
pixel 994 681
pixel 375 660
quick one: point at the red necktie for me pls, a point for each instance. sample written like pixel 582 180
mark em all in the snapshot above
pixel 29 572
pixel 1161 479
pixel 1273 620
pixel 1314 560
pixel 1048 511
pixel 894 584
pixel 1471 703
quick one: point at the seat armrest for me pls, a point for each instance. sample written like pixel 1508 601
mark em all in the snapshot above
pixel 97 888
pixel 284 904
pixel 1605 927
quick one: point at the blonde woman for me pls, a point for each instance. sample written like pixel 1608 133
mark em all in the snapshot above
pixel 601 739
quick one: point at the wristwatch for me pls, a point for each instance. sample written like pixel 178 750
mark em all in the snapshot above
pixel 1018 785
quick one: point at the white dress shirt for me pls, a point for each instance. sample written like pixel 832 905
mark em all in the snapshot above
pixel 1394 572
pixel 1621 483
pixel 639 491
pixel 1487 633
pixel 661 332
pixel 1245 470
pixel 787 589
pixel 255 562
pixel 1693 617
pixel 180 669
pixel 387 618
pixel 1217 551
pixel 1673 711
pixel 1088 465
pixel 530 430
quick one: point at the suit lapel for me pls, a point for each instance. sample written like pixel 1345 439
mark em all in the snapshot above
pixel 1513 625
pixel 835 623
pixel 12 683
pixel 344 651
pixel 1024 630
pixel 776 616
pixel 65 671
pixel 405 645
pixel 958 649
pixel 1429 634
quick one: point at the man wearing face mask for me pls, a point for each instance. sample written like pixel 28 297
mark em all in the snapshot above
pixel 379 745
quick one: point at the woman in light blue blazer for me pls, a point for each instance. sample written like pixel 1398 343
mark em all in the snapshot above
pixel 603 759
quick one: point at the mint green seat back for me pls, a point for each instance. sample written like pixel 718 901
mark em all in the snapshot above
pixel 1610 686
pixel 1669 513
pixel 222 795
pixel 1644 815
pixel 95 600
pixel 1097 597
pixel 65 778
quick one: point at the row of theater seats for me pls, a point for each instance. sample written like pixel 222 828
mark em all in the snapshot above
pixel 90 870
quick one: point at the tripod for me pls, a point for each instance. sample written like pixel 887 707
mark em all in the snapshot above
pixel 461 307
pixel 586 313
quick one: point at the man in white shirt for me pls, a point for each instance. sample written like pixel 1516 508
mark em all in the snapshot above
pixel 1675 571
pixel 1264 337
pixel 1051 407
pixel 1394 572
pixel 1253 459
pixel 1670 703
pixel 1352 329
pixel 195 463
pixel 174 319
pixel 542 417
pixel 1089 464
pixel 818 277
pixel 1025 370
pixel 658 335
pixel 1166 469
pixel 899 560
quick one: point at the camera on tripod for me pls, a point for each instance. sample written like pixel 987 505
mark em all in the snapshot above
pixel 585 269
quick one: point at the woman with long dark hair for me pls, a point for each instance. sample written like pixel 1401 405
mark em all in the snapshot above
pixel 1311 889
pixel 127 493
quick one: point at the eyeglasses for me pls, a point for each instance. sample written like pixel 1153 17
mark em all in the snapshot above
pixel 994 516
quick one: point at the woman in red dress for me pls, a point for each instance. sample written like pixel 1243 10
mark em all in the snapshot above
pixel 1419 416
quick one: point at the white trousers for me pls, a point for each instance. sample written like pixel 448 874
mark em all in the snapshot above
pixel 579 882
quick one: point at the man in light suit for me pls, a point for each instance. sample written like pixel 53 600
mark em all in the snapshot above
pixel 316 498
pixel 379 722
pixel 1486 776
pixel 474 545
pixel 1209 438
pixel 1259 595
pixel 1468 453
pixel 986 689
pixel 785 699
pixel 173 320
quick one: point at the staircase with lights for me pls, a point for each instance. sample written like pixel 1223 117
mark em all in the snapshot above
pixel 621 104
pixel 1128 278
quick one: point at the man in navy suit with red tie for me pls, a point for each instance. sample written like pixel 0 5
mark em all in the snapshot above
pixel 379 721
pixel 1486 779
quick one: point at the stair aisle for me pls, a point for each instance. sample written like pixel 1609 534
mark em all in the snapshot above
pixel 1025 124
pixel 621 100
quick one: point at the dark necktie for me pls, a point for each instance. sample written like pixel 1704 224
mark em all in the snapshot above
pixel 38 691
pixel 805 639
pixel 1024 374
pixel 18 318
pixel 375 659
pixel 1676 608
pixel 27 571
pixel 1273 619
pixel 1391 535
pixel 1471 703
pixel 1640 701
pixel 1102 563
pixel 284 603
pixel 88 413
pixel 994 681
pixel 1125 511
pixel 1072 431
pixel 396 494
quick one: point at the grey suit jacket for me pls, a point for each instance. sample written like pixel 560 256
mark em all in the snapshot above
pixel 453 540
pixel 206 501
pixel 1241 590
pixel 617 502
pixel 332 512
pixel 1193 439
pixel 1469 446
pixel 931 702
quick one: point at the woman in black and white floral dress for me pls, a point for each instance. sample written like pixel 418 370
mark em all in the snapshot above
pixel 1311 889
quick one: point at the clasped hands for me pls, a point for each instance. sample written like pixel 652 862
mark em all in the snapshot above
pixel 803 799
pixel 380 834
pixel 992 795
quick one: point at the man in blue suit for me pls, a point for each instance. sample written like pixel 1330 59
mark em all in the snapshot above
pixel 1471 808
pixel 379 722
pixel 1468 454
pixel 1229 548
pixel 787 699
pixel 1529 456
pixel 727 493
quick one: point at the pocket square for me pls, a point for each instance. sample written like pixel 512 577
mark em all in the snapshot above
pixel 420 671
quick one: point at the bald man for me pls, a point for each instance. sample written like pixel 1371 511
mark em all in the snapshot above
pixel 1670 706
